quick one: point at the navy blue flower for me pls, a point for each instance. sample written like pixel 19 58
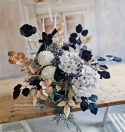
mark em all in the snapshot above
pixel 27 30
pixel 47 39
pixel 85 55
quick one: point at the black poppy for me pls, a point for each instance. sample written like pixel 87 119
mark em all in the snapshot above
pixel 86 55
pixel 65 47
pixel 79 28
pixel 59 75
pixel 84 32
pixel 25 92
pixel 27 30
pixel 47 39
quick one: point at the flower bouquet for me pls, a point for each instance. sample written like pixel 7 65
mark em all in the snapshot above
pixel 61 72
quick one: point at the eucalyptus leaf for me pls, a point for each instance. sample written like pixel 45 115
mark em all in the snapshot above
pixel 104 74
pixel 84 105
pixel 93 98
pixel 103 67
pixel 93 108
pixel 117 59
pixel 101 59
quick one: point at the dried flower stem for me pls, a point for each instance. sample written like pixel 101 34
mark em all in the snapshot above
pixel 29 45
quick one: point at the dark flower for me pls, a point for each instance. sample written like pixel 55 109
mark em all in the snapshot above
pixel 59 75
pixel 47 39
pixel 25 92
pixel 85 55
pixel 27 30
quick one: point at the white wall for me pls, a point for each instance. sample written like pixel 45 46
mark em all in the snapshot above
pixel 113 15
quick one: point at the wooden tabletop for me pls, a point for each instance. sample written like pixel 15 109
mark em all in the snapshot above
pixel 111 92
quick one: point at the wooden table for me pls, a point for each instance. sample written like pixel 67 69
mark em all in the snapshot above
pixel 112 92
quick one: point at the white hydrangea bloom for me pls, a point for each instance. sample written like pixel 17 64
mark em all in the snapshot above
pixel 45 57
pixel 70 62
pixel 87 83
pixel 48 72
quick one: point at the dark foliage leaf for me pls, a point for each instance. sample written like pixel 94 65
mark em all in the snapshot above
pixel 93 98
pixel 79 42
pixel 117 59
pixel 84 105
pixel 17 87
pixel 16 93
pixel 25 92
pixel 74 35
pixel 103 67
pixel 72 40
pixel 79 28
pixel 54 32
pixel 94 64
pixel 65 48
pixel 109 56
pixel 42 48
pixel 84 32
pixel 104 74
pixel 83 98
pixel 101 59
pixel 72 45
pixel 93 108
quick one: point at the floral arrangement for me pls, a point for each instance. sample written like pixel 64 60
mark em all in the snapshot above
pixel 61 72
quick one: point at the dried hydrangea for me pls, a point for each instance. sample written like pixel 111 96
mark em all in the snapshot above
pixel 70 62
pixel 87 83
pixel 48 72
pixel 44 58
